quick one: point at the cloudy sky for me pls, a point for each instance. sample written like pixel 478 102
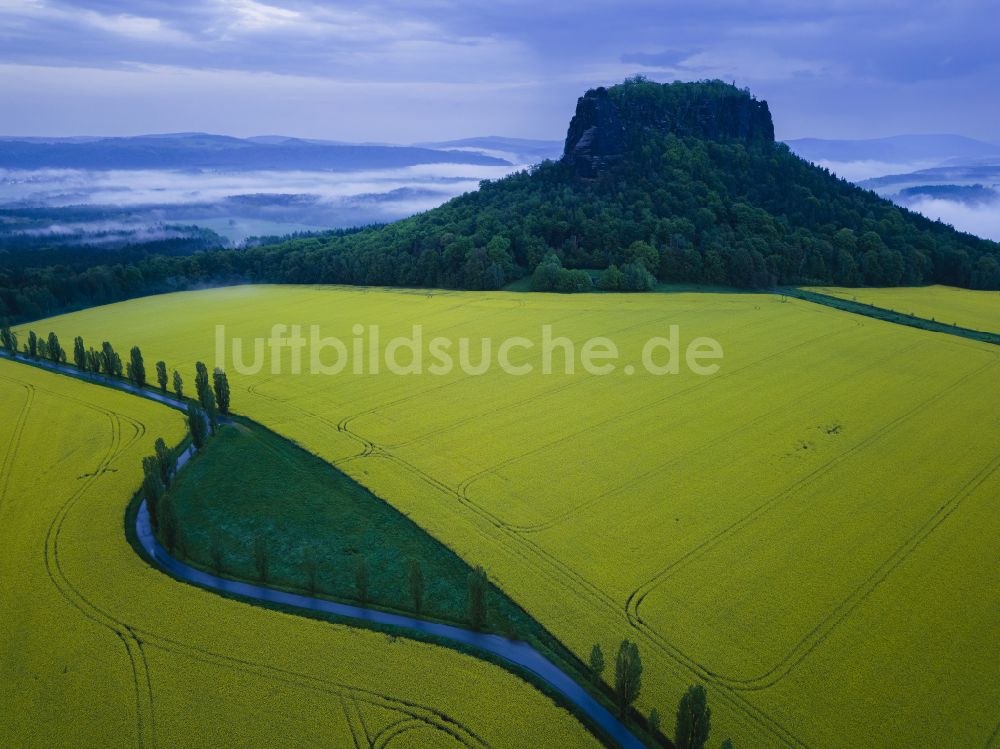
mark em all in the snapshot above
pixel 436 69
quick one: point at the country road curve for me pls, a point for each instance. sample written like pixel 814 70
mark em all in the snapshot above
pixel 519 654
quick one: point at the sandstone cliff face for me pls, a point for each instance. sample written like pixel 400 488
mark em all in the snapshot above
pixel 608 121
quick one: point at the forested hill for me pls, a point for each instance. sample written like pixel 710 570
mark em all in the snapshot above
pixel 678 182
pixel 682 182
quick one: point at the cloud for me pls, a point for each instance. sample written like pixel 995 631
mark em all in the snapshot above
pixel 981 220
pixel 861 66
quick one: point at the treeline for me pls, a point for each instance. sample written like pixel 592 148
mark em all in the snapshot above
pixel 213 393
pixel 694 716
pixel 41 279
pixel 673 208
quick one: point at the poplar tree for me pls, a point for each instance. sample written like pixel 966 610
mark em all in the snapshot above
pixel 201 386
pixel 161 375
pixel 54 350
pixel 79 354
pixel 178 384
pixel 196 423
pixel 694 719
pixel 8 339
pixel 628 675
pixel 597 662
pixel 152 488
pixel 138 367
pixel 166 459
pixel 477 598
pixel 220 384
pixel 361 578
pixel 416 578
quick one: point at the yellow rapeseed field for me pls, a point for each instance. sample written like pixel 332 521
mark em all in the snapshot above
pixel 100 650
pixel 977 310
pixel 811 531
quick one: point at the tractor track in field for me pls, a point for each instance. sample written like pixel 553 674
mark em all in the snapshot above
pixel 823 629
pixel 537 558
pixel 573 383
pixel 142 686
pixel 15 438
pixel 466 484
pixel 137 639
pixel 676 460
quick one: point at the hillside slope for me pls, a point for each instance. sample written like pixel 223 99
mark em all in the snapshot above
pixel 679 182
pixel 692 173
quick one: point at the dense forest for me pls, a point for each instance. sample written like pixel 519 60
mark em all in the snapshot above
pixel 679 182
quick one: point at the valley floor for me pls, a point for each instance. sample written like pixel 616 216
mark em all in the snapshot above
pixel 105 651
pixel 809 531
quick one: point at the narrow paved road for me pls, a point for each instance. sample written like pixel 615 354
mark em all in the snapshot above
pixel 517 653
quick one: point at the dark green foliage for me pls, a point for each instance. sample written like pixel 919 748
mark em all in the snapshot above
pixel 161 375
pixel 310 569
pixel 152 488
pixel 220 385
pixel 31 347
pixel 551 276
pixel 415 576
pixel 628 675
pixel 478 587
pixel 218 556
pixel 612 279
pixel 726 744
pixel 197 424
pixel 137 367
pixel 169 529
pixel 261 558
pixel 211 412
pixel 694 719
pixel 712 195
pixel 654 720
pixel 328 517
pixel 8 339
pixel 93 360
pixel 597 664
pixel 361 579
pixel 166 460
pixel 80 354
pixel 111 363
pixel 178 384
pixel 54 350
pixel 202 387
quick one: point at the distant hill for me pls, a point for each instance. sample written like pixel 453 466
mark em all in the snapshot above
pixel 897 149
pixel 964 174
pixel 518 150
pixel 677 182
pixel 205 151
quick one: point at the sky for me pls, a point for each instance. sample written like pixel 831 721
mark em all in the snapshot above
pixel 403 72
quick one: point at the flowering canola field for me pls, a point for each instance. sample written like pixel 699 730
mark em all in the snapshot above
pixel 811 531
pixel 101 650
pixel 977 310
